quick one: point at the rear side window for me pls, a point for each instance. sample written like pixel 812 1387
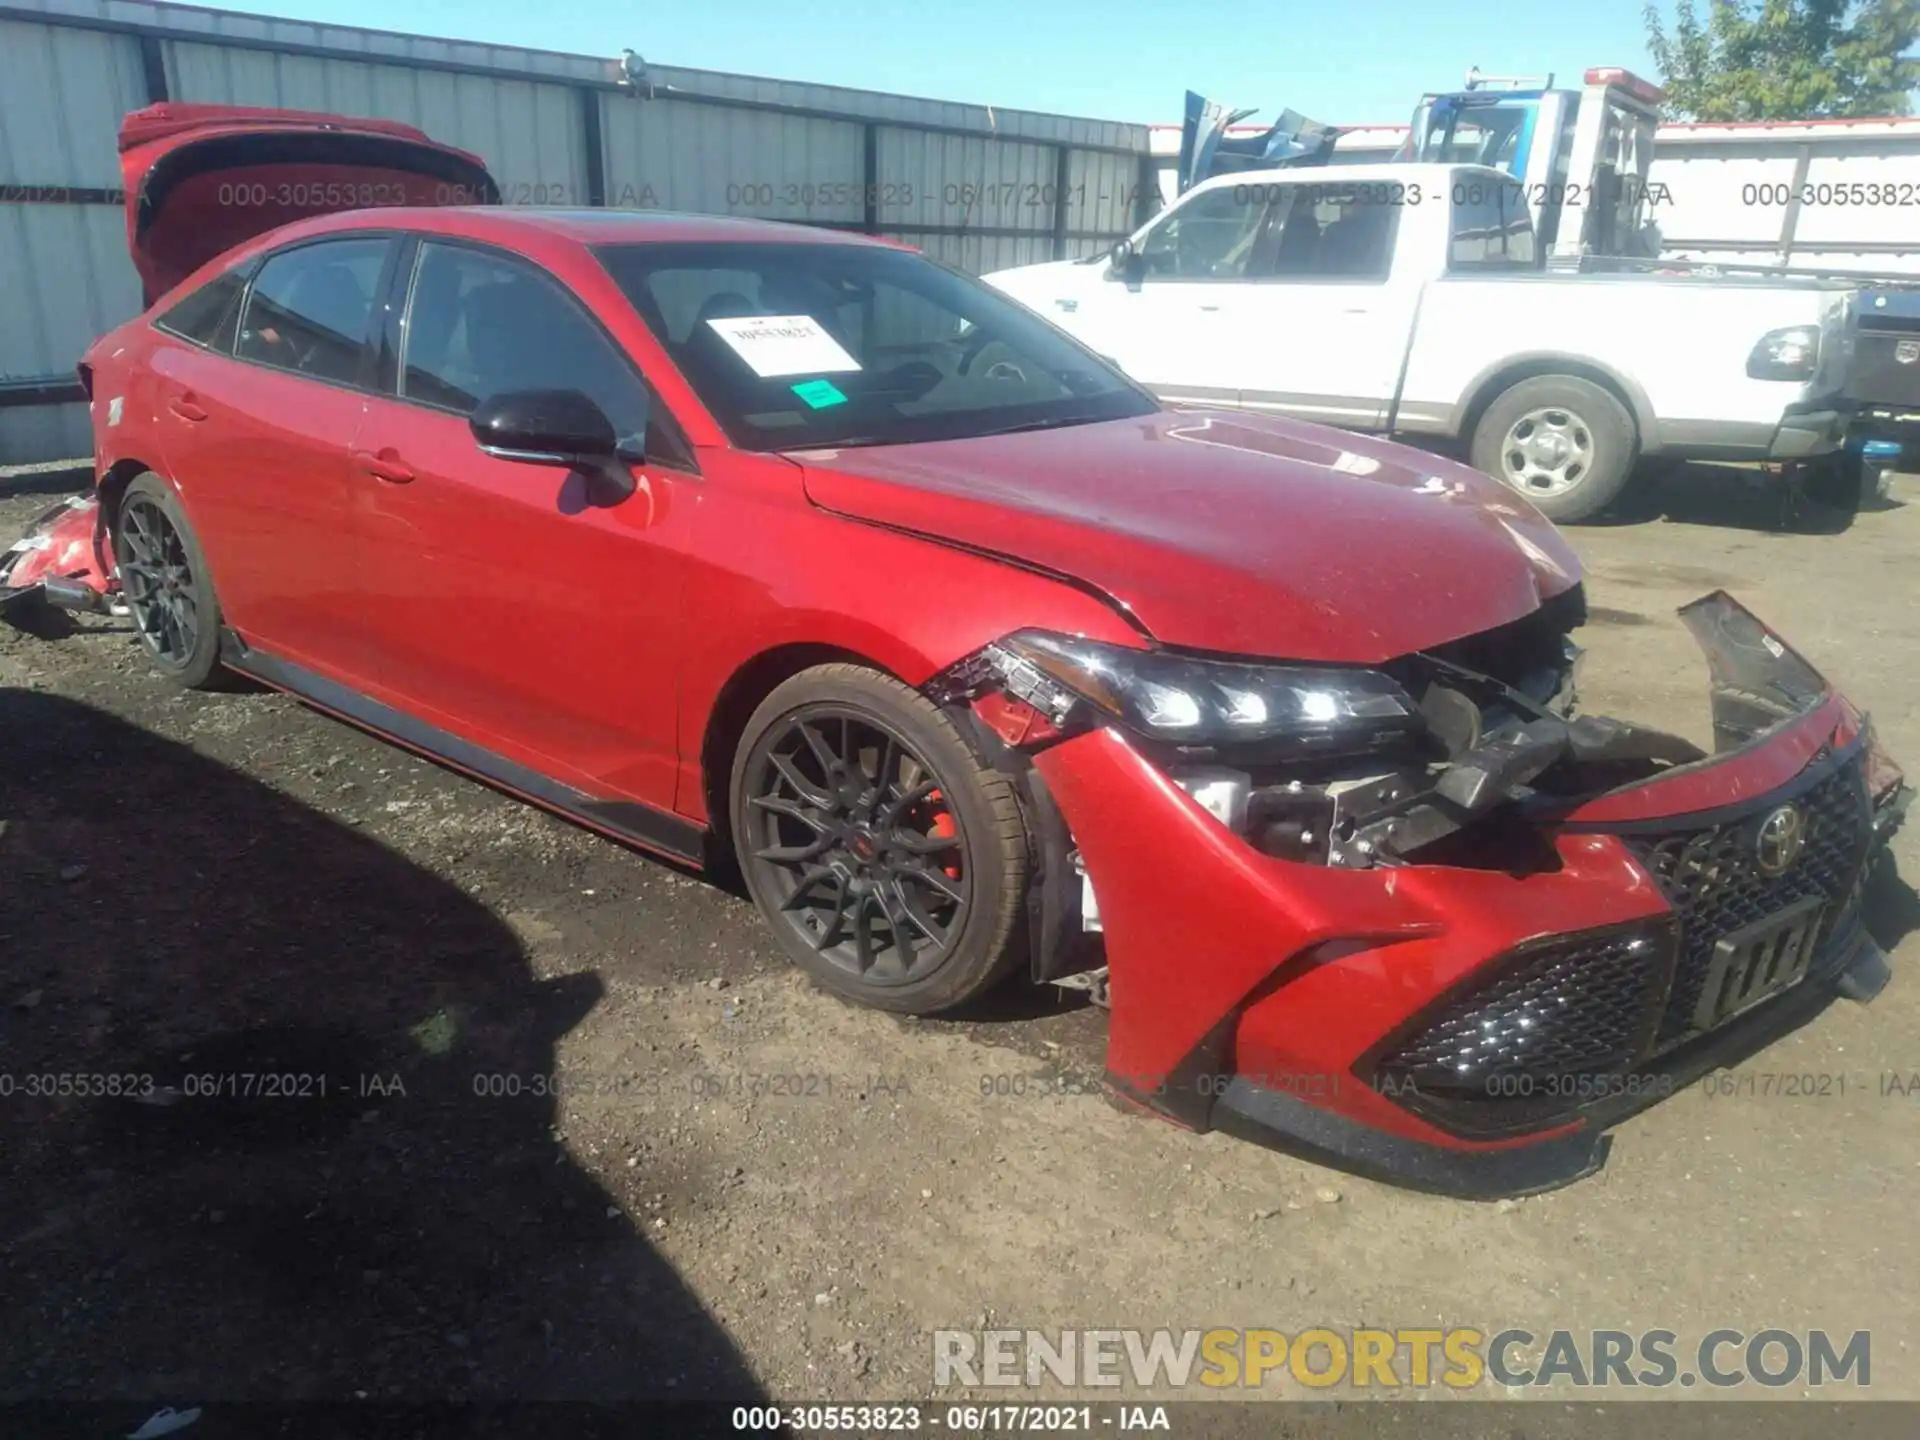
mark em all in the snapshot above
pixel 210 314
pixel 1337 232
pixel 309 308
pixel 1491 227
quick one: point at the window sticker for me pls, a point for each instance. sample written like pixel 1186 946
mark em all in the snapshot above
pixel 819 393
pixel 779 345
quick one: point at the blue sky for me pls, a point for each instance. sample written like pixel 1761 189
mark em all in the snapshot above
pixel 1350 62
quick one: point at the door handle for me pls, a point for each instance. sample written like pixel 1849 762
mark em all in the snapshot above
pixel 185 408
pixel 1210 309
pixel 383 466
pixel 1357 310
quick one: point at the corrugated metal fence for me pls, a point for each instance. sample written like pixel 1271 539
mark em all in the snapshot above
pixel 976 187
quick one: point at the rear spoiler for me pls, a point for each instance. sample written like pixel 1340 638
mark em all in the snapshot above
pixel 1205 150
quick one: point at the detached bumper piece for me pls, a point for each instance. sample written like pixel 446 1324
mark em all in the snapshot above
pixel 58 561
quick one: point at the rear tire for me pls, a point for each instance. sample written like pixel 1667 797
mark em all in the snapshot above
pixel 166 585
pixel 1564 443
pixel 890 861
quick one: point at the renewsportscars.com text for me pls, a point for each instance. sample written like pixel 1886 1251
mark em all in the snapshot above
pixel 1460 1358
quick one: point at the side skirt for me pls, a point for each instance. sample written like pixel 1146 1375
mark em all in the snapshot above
pixel 628 821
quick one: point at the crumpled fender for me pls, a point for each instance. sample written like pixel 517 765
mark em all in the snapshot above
pixel 62 558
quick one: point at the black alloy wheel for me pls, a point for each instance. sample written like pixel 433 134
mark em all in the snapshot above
pixel 854 835
pixel 890 858
pixel 158 577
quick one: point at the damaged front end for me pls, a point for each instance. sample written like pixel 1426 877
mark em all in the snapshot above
pixel 1419 919
pixel 63 560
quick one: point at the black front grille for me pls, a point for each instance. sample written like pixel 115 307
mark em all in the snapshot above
pixel 1711 876
pixel 1505 1053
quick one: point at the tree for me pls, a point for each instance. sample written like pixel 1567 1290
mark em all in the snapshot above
pixel 1787 59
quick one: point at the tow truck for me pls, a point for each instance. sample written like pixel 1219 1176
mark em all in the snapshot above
pixel 1574 153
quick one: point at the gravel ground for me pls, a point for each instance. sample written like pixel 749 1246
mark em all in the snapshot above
pixel 231 884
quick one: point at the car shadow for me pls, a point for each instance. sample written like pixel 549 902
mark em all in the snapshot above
pixel 1728 497
pixel 274 1109
pixel 1889 906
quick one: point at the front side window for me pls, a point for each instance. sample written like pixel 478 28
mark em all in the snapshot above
pixel 1211 237
pixel 482 324
pixel 310 308
pixel 210 315
pixel 1491 228
pixel 798 346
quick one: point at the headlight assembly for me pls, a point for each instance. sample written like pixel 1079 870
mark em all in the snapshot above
pixel 1186 701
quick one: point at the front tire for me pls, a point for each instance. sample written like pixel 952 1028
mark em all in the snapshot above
pixel 890 861
pixel 1564 443
pixel 166 585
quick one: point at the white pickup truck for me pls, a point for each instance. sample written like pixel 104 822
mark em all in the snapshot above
pixel 1407 299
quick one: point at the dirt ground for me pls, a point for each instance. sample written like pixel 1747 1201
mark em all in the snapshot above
pixel 219 884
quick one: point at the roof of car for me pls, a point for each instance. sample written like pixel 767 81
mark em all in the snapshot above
pixel 601 226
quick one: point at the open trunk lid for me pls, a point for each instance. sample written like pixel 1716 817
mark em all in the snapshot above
pixel 201 179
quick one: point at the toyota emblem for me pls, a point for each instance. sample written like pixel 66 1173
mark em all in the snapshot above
pixel 1783 835
pixel 1907 351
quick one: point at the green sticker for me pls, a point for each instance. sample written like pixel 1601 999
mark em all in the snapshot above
pixel 819 393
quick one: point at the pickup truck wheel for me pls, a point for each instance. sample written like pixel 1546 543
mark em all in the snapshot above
pixel 1564 443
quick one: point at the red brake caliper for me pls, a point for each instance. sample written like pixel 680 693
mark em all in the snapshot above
pixel 944 829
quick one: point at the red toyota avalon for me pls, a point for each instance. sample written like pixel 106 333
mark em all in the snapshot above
pixel 773 547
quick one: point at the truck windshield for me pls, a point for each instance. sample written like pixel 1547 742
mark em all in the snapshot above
pixel 804 346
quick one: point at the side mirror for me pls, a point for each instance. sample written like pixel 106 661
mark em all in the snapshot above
pixel 544 427
pixel 1125 262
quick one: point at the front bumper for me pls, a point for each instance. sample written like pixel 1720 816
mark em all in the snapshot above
pixel 1295 1003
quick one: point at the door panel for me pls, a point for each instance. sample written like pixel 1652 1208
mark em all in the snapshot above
pixel 1179 329
pixel 1323 327
pixel 259 452
pixel 519 605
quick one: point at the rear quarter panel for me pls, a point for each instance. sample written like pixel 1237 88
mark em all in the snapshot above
pixel 1678 347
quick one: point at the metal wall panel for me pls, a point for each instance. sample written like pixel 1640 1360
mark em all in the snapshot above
pixel 62 93
pixel 528 133
pixel 673 155
pixel 31 433
pixel 943 181
pixel 696 144
pixel 1870 195
pixel 67 279
pixel 1697 195
pixel 982 254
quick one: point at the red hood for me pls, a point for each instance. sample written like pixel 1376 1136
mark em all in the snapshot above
pixel 1228 532
pixel 201 179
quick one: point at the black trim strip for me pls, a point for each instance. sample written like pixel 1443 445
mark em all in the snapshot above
pixel 42 390
pixel 656 830
pixel 153 66
pixel 594 146
pixel 1291 1125
pixel 17 193
pixel 1062 174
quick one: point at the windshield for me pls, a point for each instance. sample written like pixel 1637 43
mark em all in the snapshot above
pixel 795 347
